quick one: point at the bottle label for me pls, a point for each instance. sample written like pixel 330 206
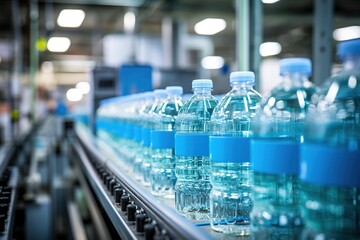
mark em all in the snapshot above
pixel 329 165
pixel 275 156
pixel 162 139
pixel 129 131
pixel 137 133
pixel 229 149
pixel 119 129
pixel 192 144
pixel 145 133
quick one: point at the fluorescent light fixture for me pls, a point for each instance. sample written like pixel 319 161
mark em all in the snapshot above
pixel 346 33
pixel 71 18
pixel 84 87
pixel 210 26
pixel 129 21
pixel 270 1
pixel 212 62
pixel 74 95
pixel 58 44
pixel 269 49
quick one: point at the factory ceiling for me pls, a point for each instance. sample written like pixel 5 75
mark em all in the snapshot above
pixel 287 22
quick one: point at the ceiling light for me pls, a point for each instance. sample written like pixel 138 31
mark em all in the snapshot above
pixel 346 33
pixel 212 62
pixel 74 95
pixel 210 26
pixel 83 87
pixel 58 44
pixel 270 1
pixel 71 18
pixel 269 49
pixel 129 22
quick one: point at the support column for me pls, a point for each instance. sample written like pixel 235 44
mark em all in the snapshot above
pixel 322 40
pixel 242 34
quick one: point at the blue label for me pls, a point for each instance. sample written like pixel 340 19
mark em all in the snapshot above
pixel 329 165
pixel 129 131
pixel 192 144
pixel 275 156
pixel 137 133
pixel 146 136
pixel 229 149
pixel 162 139
pixel 119 130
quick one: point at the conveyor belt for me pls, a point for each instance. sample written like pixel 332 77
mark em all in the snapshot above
pixel 137 214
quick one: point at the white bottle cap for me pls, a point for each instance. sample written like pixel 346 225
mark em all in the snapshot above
pixel 202 83
pixel 242 76
pixel 174 90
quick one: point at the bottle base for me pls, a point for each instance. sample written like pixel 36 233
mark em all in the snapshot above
pixel 236 230
pixel 196 216
pixel 310 234
pixel 281 233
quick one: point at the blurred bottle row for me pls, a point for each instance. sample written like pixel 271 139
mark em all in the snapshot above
pixel 283 166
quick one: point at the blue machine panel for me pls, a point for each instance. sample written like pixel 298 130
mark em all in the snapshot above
pixel 135 79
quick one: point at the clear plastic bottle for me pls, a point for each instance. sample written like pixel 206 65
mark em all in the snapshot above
pixel 141 121
pixel 230 197
pixel 236 110
pixel 162 173
pixel 283 111
pixel 149 125
pixel 334 117
pixel 330 157
pixel 276 212
pixel 192 170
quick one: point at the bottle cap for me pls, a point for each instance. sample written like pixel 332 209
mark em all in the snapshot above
pixel 348 48
pixel 202 83
pixel 174 90
pixel 242 76
pixel 326 165
pixel 293 65
pixel 160 93
pixel 275 156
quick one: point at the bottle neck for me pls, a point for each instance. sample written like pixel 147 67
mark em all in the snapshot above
pixel 242 85
pixel 202 90
pixel 351 63
pixel 294 79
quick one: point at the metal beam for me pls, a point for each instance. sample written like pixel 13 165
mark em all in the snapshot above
pixel 242 34
pixel 256 37
pixel 322 40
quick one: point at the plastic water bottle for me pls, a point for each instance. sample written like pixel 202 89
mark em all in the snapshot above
pixel 149 125
pixel 276 213
pixel 192 170
pixel 162 173
pixel 283 111
pixel 237 109
pixel 230 197
pixel 334 117
pixel 141 121
pixel 330 158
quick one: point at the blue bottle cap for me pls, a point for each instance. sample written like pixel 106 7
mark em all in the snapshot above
pixel 326 165
pixel 293 65
pixel 348 48
pixel 242 76
pixel 160 93
pixel 202 83
pixel 174 90
pixel 275 156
